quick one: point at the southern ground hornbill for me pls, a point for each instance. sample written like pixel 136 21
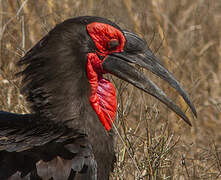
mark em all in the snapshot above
pixel 68 135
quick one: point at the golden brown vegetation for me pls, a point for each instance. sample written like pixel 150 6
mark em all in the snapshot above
pixel 186 35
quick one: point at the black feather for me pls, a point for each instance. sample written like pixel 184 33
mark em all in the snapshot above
pixel 62 138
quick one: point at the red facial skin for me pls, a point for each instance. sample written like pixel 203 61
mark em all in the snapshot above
pixel 103 97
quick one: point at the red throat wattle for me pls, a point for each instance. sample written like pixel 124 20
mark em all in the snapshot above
pixel 103 97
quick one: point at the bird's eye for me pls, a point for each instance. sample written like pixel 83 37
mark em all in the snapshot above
pixel 113 44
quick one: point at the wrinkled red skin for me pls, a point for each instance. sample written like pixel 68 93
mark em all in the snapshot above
pixel 102 97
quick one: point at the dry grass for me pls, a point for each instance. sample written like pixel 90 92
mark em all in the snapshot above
pixel 185 34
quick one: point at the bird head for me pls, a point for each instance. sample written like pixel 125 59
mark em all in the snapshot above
pixel 100 47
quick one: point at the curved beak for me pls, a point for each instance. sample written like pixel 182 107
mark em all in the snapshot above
pixel 137 52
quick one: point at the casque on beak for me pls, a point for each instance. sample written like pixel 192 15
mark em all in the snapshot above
pixel 136 51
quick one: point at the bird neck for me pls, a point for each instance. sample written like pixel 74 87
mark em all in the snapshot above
pixel 55 80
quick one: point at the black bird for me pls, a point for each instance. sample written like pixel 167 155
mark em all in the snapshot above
pixel 68 134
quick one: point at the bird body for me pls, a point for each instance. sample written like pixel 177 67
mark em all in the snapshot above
pixel 69 133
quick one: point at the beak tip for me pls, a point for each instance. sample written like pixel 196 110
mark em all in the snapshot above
pixel 192 107
pixel 195 113
pixel 188 122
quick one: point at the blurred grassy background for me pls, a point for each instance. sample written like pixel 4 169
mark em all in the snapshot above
pixel 184 34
